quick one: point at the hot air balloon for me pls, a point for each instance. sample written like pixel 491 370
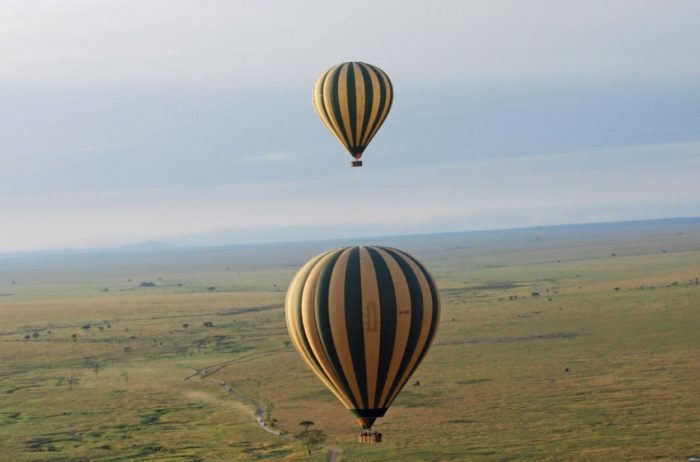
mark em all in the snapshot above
pixel 363 318
pixel 353 99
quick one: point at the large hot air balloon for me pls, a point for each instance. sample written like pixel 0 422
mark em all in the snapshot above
pixel 363 318
pixel 353 99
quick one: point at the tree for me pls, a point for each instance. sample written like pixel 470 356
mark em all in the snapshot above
pixel 35 335
pixel 94 364
pixel 311 439
pixel 185 325
pixel 97 367
pixel 200 343
pixel 27 337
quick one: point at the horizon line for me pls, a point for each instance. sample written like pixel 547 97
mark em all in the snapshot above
pixel 158 245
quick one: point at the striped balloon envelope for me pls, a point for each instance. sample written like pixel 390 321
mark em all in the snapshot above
pixel 363 318
pixel 353 99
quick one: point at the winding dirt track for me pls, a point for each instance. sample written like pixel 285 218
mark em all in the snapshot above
pixel 204 374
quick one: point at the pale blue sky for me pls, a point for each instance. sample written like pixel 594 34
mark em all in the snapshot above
pixel 191 122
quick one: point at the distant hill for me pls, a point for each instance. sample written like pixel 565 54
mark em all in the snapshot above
pixel 148 245
pixel 678 225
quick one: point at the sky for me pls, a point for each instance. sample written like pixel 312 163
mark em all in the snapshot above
pixel 190 122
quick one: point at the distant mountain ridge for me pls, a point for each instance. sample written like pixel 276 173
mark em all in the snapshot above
pixel 156 246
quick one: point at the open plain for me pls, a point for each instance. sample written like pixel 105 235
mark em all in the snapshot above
pixel 557 343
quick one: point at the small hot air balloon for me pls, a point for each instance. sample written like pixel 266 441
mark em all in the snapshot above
pixel 353 99
pixel 363 318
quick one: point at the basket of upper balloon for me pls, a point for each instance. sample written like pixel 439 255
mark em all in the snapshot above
pixel 353 100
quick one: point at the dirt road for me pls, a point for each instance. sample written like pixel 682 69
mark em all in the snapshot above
pixel 205 374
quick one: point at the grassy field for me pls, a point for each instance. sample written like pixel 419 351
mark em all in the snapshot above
pixel 602 365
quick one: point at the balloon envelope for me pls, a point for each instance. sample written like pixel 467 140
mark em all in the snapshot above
pixel 363 318
pixel 353 99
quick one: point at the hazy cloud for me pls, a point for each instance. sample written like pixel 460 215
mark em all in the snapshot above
pixel 466 195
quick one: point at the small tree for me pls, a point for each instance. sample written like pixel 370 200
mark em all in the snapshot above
pixel 74 337
pixel 27 337
pixel 219 341
pixel 311 439
pixel 97 367
pixel 94 364
pixel 35 335
pixel 185 325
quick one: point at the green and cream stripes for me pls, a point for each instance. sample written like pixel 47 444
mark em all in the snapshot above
pixel 353 99
pixel 363 318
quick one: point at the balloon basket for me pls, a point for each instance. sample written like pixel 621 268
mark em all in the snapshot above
pixel 357 163
pixel 369 437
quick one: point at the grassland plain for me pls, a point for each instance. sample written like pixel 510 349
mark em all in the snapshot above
pixel 563 343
